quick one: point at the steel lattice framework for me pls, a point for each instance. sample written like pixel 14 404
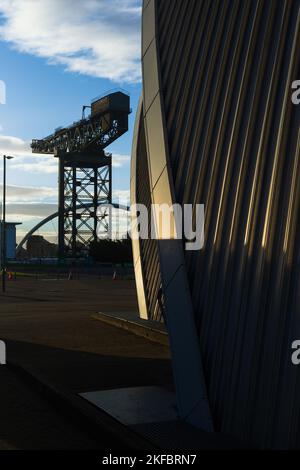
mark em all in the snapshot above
pixel 89 188
pixel 95 133
pixel 85 172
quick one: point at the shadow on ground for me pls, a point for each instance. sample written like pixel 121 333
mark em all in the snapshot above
pixel 83 371
pixel 28 421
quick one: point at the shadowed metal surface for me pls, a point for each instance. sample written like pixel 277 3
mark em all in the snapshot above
pixel 225 70
pixel 148 247
pixel 166 257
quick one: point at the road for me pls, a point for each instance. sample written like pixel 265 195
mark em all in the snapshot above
pixel 48 328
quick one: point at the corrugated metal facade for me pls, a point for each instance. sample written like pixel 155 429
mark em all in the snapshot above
pixel 148 248
pixel 226 69
pixel 233 137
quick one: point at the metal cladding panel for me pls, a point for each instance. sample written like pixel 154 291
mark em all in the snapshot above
pixel 148 247
pixel 226 69
pixel 165 256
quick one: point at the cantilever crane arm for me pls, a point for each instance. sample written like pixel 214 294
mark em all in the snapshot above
pixel 93 133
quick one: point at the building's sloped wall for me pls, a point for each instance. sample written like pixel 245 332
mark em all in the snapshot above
pixel 161 279
pixel 148 247
pixel 226 69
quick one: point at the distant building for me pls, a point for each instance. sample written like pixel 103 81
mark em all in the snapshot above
pixel 38 247
pixel 11 239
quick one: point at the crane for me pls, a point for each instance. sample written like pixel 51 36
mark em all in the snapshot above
pixel 85 171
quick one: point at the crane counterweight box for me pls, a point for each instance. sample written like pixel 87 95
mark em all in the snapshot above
pixel 117 101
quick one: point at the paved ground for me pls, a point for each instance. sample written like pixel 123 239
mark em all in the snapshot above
pixel 48 328
pixel 28 421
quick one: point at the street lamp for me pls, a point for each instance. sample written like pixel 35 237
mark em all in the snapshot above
pixel 3 227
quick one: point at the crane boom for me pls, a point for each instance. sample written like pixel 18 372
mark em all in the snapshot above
pixel 108 121
pixel 85 171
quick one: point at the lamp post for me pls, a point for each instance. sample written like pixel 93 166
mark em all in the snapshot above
pixel 3 226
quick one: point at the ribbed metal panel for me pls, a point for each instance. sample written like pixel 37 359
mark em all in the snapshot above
pixel 226 71
pixel 148 248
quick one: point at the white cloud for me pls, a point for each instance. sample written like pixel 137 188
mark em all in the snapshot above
pixel 33 163
pixel 2 92
pixel 39 163
pixel 43 164
pixel 13 145
pixel 121 196
pixel 40 201
pixel 30 194
pixel 22 218
pixel 99 38
pixel 120 160
pixel 31 211
pixel 35 207
pixel 29 214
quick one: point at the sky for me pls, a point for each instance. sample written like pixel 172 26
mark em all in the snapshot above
pixel 56 56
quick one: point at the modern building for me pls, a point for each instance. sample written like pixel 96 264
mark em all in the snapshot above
pixel 216 125
pixel 11 241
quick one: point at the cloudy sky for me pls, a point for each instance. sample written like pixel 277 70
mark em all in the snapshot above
pixel 57 55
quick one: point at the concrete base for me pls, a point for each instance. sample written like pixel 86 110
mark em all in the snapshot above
pixel 151 413
pixel 154 331
pixel 132 406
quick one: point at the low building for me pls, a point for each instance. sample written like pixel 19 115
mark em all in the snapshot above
pixel 11 239
pixel 39 247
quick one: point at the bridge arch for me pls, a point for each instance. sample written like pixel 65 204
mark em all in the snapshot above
pixel 53 216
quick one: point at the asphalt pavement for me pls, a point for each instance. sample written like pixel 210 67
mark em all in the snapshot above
pixel 48 328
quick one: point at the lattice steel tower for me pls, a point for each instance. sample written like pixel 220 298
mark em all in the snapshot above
pixel 85 171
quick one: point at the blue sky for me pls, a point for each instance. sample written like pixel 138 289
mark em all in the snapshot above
pixel 56 55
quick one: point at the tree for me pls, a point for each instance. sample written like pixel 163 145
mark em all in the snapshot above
pixel 111 251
